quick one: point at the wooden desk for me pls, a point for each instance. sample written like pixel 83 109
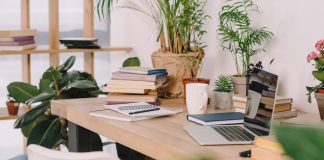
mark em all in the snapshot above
pixel 160 138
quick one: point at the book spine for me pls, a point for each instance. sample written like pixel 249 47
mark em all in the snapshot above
pixel 21 43
pixel 162 71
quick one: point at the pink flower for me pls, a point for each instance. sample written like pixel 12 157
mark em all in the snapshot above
pixel 313 55
pixel 319 45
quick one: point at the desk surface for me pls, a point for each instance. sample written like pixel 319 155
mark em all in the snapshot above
pixel 160 138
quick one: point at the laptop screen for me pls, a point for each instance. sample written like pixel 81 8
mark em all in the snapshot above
pixel 262 89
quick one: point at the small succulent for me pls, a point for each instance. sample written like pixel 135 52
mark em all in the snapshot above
pixel 223 84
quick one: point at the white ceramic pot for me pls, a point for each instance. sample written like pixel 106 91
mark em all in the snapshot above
pixel 223 100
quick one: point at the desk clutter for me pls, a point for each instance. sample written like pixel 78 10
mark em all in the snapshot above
pixel 267 148
pixel 283 108
pixel 17 40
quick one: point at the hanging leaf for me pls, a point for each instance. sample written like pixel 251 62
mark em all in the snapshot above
pixel 45 86
pixel 52 74
pixel 27 129
pixel 21 91
pixel 31 115
pixel 83 84
pixel 41 97
pixel 67 64
pixel 46 133
pixel 130 62
pixel 301 143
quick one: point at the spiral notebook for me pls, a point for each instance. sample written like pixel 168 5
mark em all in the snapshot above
pixel 125 112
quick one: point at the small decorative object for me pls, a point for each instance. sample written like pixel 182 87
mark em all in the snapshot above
pixel 223 92
pixel 197 98
pixel 12 106
pixel 318 73
pixel 241 38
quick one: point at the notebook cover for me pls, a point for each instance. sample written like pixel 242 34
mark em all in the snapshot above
pixel 228 116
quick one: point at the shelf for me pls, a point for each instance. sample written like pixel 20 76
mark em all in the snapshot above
pixel 43 49
pixel 5 116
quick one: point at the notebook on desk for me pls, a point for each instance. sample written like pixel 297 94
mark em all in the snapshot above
pixel 255 124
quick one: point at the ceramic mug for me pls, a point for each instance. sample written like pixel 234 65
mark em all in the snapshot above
pixel 196 98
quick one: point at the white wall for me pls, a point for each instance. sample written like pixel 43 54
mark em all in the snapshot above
pixel 297 25
pixel 71 23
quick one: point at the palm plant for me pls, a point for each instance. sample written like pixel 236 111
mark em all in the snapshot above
pixel 238 35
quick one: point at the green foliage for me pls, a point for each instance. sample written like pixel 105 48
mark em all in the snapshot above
pixel 238 35
pixel 38 124
pixel 224 84
pixel 301 143
pixel 179 22
pixel 133 61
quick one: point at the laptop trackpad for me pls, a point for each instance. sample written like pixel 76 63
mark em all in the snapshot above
pixel 205 135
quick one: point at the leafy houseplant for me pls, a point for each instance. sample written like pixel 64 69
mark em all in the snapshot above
pixel 38 124
pixel 223 92
pixel 12 106
pixel 241 38
pixel 179 25
pixel 318 58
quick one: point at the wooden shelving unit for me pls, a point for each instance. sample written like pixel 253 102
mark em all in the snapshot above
pixel 53 48
pixel 4 115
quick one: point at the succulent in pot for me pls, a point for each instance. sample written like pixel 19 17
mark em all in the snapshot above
pixel 223 92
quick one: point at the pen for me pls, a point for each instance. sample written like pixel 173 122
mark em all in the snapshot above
pixel 149 110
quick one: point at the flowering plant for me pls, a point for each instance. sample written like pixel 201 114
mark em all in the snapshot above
pixel 318 73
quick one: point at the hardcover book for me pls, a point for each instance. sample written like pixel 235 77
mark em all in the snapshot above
pixel 217 118
pixel 138 77
pixel 142 70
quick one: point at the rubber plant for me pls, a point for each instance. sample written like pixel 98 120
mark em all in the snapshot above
pixel 38 124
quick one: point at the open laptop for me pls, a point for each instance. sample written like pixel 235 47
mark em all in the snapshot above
pixel 262 89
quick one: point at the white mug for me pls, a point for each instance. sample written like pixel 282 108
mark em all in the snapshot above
pixel 196 98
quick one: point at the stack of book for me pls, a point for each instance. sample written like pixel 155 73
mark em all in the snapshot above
pixel 267 148
pixel 135 84
pixel 17 40
pixel 283 108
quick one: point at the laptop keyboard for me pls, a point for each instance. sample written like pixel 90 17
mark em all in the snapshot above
pixel 234 133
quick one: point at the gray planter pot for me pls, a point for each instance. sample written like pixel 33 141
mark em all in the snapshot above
pixel 240 85
pixel 223 100
pixel 320 103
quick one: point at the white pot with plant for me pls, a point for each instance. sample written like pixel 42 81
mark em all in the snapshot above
pixel 223 92
pixel 179 26
pixel 243 40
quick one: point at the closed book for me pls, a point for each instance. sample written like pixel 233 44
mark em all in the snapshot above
pixel 280 107
pixel 258 153
pixel 157 103
pixel 125 90
pixel 217 118
pixel 283 100
pixel 117 86
pixel 138 77
pixel 129 82
pixel 119 97
pixel 239 98
pixel 20 43
pixel 269 143
pixel 142 70
pixel 241 105
pixel 18 48
pixel 279 99
pixel 17 33
pixel 285 114
pixel 17 39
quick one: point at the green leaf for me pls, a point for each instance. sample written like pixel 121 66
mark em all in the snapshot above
pixel 95 142
pixel 83 84
pixel 52 74
pixel 301 142
pixel 45 86
pixel 31 115
pixel 133 61
pixel 21 91
pixel 27 129
pixel 41 97
pixel 67 64
pixel 46 133
pixel 319 75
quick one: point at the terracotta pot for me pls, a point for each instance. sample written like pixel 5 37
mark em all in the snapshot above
pixel 239 85
pixel 13 107
pixel 223 100
pixel 178 67
pixel 193 80
pixel 320 103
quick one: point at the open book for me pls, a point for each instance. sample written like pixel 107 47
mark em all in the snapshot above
pixel 113 112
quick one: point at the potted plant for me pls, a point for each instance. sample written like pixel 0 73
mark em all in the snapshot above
pixel 223 92
pixel 318 73
pixel 12 106
pixel 241 38
pixel 179 25
pixel 38 124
